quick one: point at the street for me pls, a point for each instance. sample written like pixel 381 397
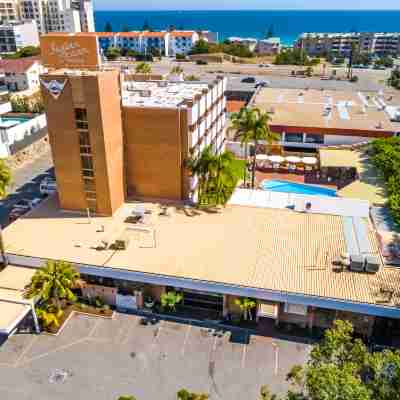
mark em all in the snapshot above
pixel 25 185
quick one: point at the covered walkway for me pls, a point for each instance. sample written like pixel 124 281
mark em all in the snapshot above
pixel 13 306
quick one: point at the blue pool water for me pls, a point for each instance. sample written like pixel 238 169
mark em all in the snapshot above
pixel 275 185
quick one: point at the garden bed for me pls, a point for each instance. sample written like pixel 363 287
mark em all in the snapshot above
pixel 77 308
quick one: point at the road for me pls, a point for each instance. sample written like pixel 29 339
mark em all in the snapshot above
pixel 26 180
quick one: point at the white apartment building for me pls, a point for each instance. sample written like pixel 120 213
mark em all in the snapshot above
pixel 15 35
pixel 59 15
pixel 250 43
pixel 21 74
pixel 317 44
pixel 167 43
pixel 9 10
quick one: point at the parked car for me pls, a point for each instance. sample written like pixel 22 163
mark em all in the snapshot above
pixel 26 204
pixel 262 84
pixel 249 79
pixel 48 187
pixel 265 65
pixel 16 213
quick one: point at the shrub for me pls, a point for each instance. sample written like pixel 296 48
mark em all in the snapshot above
pixel 180 57
pixel 201 62
pixel 354 78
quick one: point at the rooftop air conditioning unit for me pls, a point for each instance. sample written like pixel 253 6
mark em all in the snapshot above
pixel 372 264
pixel 162 84
pixel 145 93
pixel 357 262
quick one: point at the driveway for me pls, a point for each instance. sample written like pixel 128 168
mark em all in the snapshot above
pixel 100 359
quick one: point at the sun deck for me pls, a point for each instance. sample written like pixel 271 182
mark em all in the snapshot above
pixel 270 249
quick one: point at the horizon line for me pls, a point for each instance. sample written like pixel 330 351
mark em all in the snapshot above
pixel 255 9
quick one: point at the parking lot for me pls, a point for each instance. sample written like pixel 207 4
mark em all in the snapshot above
pixel 95 358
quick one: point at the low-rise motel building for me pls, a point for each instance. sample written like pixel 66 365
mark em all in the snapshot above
pixel 310 119
pixel 123 217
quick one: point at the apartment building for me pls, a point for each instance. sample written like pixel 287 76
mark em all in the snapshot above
pixel 9 11
pixel 110 143
pixel 59 15
pixel 163 42
pixel 15 35
pixel 270 46
pixel 21 74
pixel 319 44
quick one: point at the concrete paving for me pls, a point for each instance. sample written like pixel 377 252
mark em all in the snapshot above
pixel 95 358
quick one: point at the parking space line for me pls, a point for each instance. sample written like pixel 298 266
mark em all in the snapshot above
pixel 187 334
pixel 128 331
pixel 56 350
pixel 93 330
pixel 276 349
pixel 25 351
pixel 244 355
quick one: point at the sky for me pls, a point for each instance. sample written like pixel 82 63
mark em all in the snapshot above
pixel 245 4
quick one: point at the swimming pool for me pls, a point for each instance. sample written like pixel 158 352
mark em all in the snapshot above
pixel 8 122
pixel 275 185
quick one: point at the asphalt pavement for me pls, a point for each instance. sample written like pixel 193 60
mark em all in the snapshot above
pixel 25 185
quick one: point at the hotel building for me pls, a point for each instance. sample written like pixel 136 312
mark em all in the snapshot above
pixel 113 137
pixel 320 44
pixel 310 119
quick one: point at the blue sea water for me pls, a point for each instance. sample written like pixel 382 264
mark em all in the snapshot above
pixel 286 24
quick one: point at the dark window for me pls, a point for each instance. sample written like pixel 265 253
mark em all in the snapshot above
pixel 294 137
pixel 80 114
pixel 84 139
pixel 87 162
pixel 318 139
pixel 88 173
pixel 89 185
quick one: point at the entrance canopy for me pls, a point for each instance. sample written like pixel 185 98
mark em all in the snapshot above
pixel 13 306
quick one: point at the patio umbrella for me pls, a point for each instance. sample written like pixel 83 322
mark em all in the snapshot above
pixel 261 157
pixel 293 159
pixel 309 160
pixel 276 159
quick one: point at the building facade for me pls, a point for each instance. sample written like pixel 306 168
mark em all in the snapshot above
pixel 15 35
pixel 21 74
pixel 110 143
pixel 163 43
pixel 59 15
pixel 269 46
pixel 320 44
pixel 9 11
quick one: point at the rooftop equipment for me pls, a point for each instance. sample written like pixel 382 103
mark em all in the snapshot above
pixel 357 262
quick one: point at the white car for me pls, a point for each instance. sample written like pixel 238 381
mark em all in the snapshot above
pixel 48 187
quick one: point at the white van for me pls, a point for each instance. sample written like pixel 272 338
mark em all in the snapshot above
pixel 48 187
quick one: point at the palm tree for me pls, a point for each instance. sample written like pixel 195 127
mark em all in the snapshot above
pixel 5 178
pixel 241 123
pixel 260 131
pixel 143 68
pixel 246 305
pixel 53 282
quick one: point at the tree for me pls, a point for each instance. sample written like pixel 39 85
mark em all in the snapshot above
pixel 54 282
pixel 108 27
pixel 200 47
pixel 394 79
pixel 143 68
pixel 126 398
pixel 246 305
pixel 270 32
pixel 27 51
pixel 125 28
pixel 146 26
pixel 5 178
pixel 176 70
pixel 191 78
pixel 183 394
pixel 341 367
pixel 113 53
pixel 241 125
pixel 171 299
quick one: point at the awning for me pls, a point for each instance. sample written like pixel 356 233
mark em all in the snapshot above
pixel 13 306
pixel 333 158
pixel 268 310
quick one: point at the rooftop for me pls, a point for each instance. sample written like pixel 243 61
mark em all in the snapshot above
pixel 159 93
pixel 19 65
pixel 348 34
pixel 329 110
pixel 272 249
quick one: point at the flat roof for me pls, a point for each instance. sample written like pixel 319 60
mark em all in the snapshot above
pixel 160 93
pixel 11 314
pixel 15 278
pixel 327 110
pixel 277 250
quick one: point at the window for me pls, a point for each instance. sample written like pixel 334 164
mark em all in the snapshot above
pixel 92 204
pixel 317 139
pixel 81 118
pixel 87 162
pixel 84 142
pixel 89 185
pixel 294 137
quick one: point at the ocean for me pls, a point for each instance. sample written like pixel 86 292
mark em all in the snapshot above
pixel 285 24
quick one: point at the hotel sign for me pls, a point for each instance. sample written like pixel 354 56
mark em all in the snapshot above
pixel 70 51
